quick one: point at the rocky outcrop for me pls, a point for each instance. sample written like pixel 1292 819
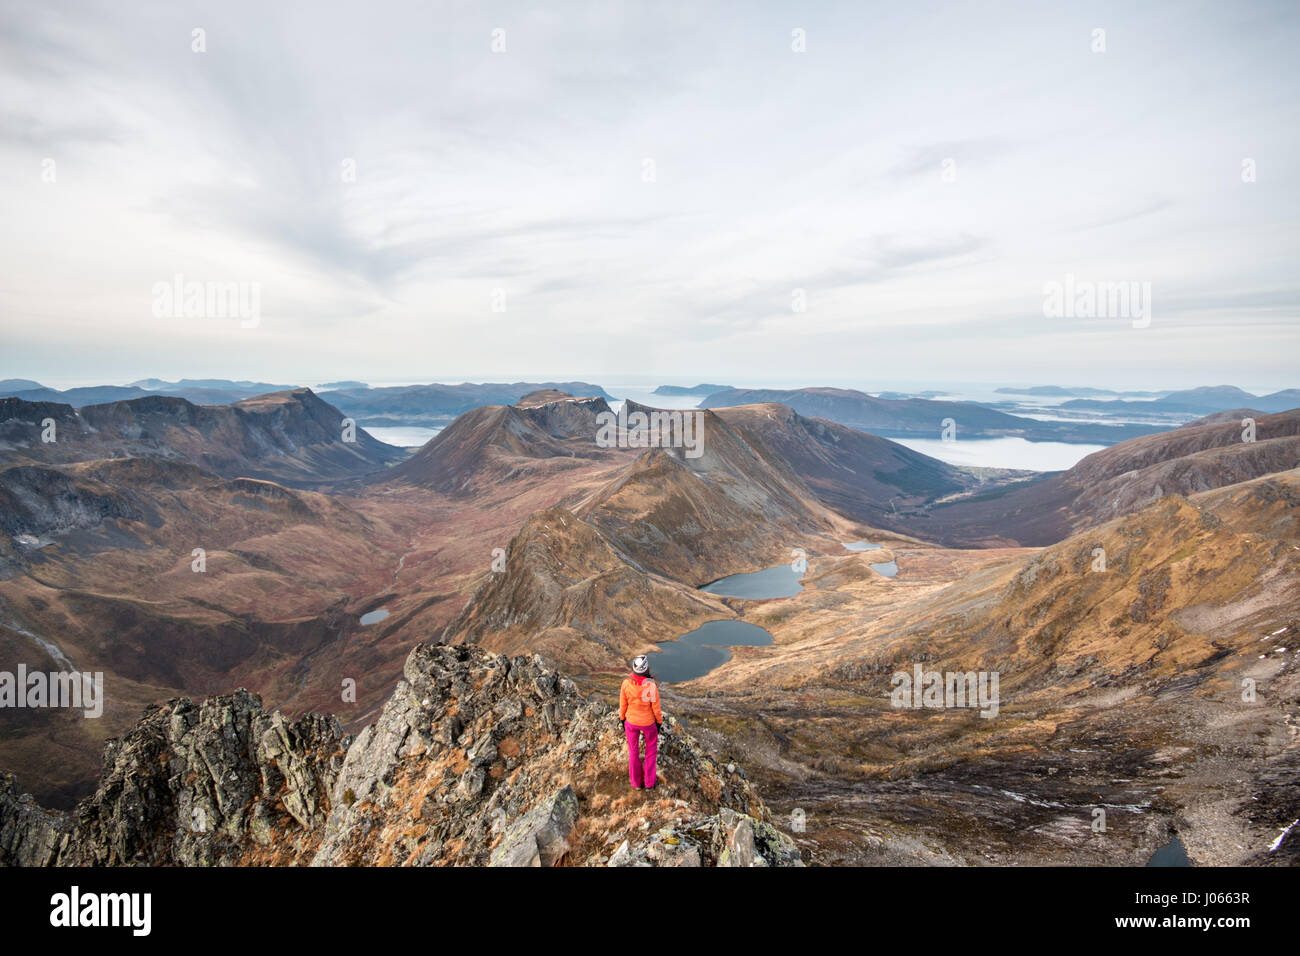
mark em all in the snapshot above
pixel 29 835
pixel 477 759
pixel 480 759
pixel 727 839
pixel 37 502
pixel 217 783
pixel 541 838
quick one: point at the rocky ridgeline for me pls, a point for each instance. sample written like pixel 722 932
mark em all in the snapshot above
pixel 477 759
pixel 217 783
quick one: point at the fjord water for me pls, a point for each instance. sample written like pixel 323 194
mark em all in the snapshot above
pixel 403 436
pixel 1003 452
pixel 697 652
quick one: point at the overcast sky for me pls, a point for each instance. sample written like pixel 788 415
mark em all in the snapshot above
pixel 525 171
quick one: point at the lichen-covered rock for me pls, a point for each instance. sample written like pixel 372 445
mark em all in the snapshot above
pixel 541 838
pixel 29 835
pixel 217 783
pixel 726 838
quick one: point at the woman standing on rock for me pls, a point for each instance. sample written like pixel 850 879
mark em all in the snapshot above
pixel 639 713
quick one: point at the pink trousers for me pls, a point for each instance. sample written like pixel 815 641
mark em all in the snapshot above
pixel 642 772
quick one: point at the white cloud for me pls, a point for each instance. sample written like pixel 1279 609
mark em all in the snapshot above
pixel 522 172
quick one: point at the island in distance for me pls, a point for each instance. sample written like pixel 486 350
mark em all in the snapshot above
pixel 700 390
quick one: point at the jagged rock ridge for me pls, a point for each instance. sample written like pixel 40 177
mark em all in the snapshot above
pixel 477 759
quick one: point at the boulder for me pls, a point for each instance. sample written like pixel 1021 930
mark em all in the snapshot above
pixel 541 838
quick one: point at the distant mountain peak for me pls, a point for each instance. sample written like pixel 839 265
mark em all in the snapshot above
pixel 543 396
pixel 288 436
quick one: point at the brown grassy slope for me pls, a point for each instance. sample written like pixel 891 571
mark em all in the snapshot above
pixel 107 576
pixel 736 507
pixel 568 592
pixel 1121 687
pixel 593 586
pixel 501 443
pixel 861 475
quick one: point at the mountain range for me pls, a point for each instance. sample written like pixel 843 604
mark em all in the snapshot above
pixel 418 405
pixel 289 436
pixel 920 417
pixel 436 404
pixel 1195 401
pixel 188 550
pixel 701 390
pixel 1112 482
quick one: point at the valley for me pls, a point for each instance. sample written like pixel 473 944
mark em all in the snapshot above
pixel 1120 690
pixel 512 531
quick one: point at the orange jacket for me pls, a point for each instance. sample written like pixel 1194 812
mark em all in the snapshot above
pixel 638 702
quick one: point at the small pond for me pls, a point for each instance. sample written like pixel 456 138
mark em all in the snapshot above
pixel 1172 853
pixel 778 582
pixel 697 652
pixel 887 568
